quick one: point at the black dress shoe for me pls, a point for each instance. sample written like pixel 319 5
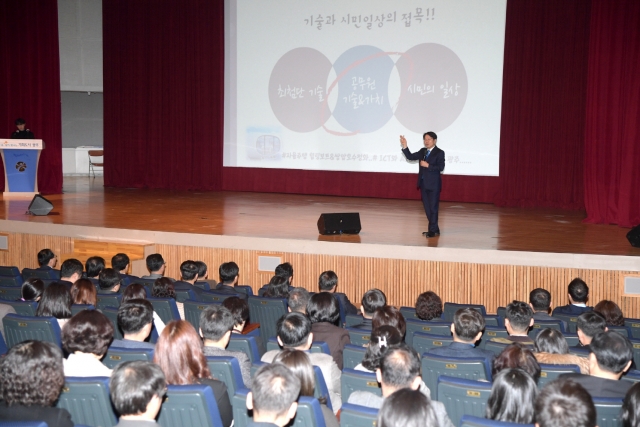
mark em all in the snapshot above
pixel 429 234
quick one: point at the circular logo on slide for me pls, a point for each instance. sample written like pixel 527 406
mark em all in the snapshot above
pixel 21 166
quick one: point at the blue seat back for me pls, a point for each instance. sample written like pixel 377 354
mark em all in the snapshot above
pixel 87 400
pixel 495 347
pixel 117 355
pixel 343 312
pixel 9 271
pixel 570 319
pixel 632 375
pixel 622 330
pixel 321 389
pixel 3 346
pixel 108 300
pixel 19 328
pixel 608 411
pixel 26 424
pixel 357 416
pixel 352 355
pixel 112 314
pixel 26 308
pixel 450 308
pixel 272 344
pixel 266 312
pixel 409 313
pixel 572 339
pixel 502 312
pixel 244 289
pixel 549 372
pixel 246 344
pixel 493 332
pixel 166 308
pixel 359 336
pixel 227 370
pixel 193 309
pixel 213 296
pixel 10 293
pixel 28 273
pixel 255 366
pixel 352 380
pixel 205 286
pixel 11 281
pixel 77 308
pixel 471 421
pixel 320 347
pixel 184 294
pixel 434 328
pixel 309 413
pixel 539 325
pixel 494 320
pixel 634 327
pixel 423 342
pixel 191 405
pixel 462 397
pixel 433 366
pixel 352 320
pixel 241 415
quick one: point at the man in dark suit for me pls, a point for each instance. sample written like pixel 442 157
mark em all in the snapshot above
pixel 120 262
pixel 540 302
pixel 229 274
pixel 328 282
pixel 372 300
pixel 578 296
pixel 589 324
pixel 189 275
pixel 70 271
pixel 429 179
pixel 22 132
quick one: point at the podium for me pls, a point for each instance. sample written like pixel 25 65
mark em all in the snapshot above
pixel 20 158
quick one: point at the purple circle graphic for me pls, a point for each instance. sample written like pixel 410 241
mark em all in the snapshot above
pixel 434 88
pixel 297 89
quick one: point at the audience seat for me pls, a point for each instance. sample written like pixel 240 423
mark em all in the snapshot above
pixel 635 345
pixel 450 308
pixel 309 413
pixel 434 328
pixel 117 355
pixel 634 327
pixel 18 328
pixel 266 312
pixel 493 320
pixel 571 320
pixel 579 351
pixel 189 406
pixel 185 294
pixel 27 424
pixel 246 344
pixel 357 416
pixel 227 370
pixel 241 415
pixel 539 325
pixel 352 355
pixel 26 308
pixel 87 400
pixel 10 293
pixel 321 389
pixel 359 336
pixel 28 273
pixel 608 411
pixel 622 330
pixel 244 289
pixel 352 380
pixel 495 347
pixel 112 314
pixel 212 296
pixel 462 397
pixel 352 320
pixel 9 271
pixel 273 344
pixel 632 375
pixel 551 372
pixel 77 308
pixel 471 421
pixel 502 312
pixel 205 286
pixel 433 366
pixel 3 346
pixel 320 347
pixel 193 309
pixel 166 308
pixel 572 339
pixel 409 313
pixel 10 276
pixel 255 366
pixel 108 300
pixel 423 342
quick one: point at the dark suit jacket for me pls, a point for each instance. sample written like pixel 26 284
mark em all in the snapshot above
pixel 429 177
pixel 226 289
pixel 366 324
pixel 222 399
pixel 335 337
pixel 54 417
pixel 601 387
pixel 343 300
pixel 180 285
pixel 570 310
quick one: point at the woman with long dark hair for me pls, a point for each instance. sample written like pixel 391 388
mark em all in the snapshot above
pixel 512 396
pixel 55 302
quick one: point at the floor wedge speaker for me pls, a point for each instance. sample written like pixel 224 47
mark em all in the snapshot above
pixel 339 223
pixel 634 236
pixel 39 206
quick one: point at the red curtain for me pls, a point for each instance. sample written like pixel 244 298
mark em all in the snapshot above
pixel 30 81
pixel 611 148
pixel 163 93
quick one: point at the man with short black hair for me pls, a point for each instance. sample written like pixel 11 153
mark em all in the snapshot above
pixel 611 356
pixel 294 331
pixel 120 262
pixel 328 282
pixel 372 300
pixel 21 132
pixel 189 275
pixel 578 293
pixel 135 320
pixel 540 302
pixel 564 403
pixel 297 300
pixel 156 267
pixel 137 389
pixel 47 260
pixel 109 281
pixel 203 274
pixel 94 266
pixel 589 324
pixel 519 318
pixel 282 270
pixel 229 273
pixel 274 396
pixel 70 271
pixel 216 324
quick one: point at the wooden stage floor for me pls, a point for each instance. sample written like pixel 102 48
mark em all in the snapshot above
pixel 86 202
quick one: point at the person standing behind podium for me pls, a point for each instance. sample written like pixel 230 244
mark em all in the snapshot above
pixel 429 179
pixel 22 133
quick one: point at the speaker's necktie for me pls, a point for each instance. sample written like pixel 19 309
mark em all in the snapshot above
pixel 427 155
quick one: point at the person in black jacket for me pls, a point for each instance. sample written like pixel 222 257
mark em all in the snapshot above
pixel 22 132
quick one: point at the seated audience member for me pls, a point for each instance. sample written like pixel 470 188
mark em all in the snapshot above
pixel 94 266
pixel 298 362
pixel 31 379
pixel 294 331
pixel 512 395
pixel 70 271
pixel 55 302
pixel 399 368
pixel 588 325
pixel 179 355
pixel 229 273
pixel 156 266
pixel 519 318
pixel 4 310
pixel 298 300
pixel 611 356
pixel 324 314
pixel 406 408
pixel 516 356
pixel 564 403
pixel 283 270
pixel 32 289
pixel 137 389
pixel 138 291
pixel 429 306
pixel 578 292
pixel 540 302
pixel 239 310
pixel 47 260
pixel 390 316
pixel 278 287
pixel 109 281
pixel 135 320
pixel 382 339
pixel 372 300
pixel 467 329
pixel 188 276
pixel 551 347
pixel 86 337
pixel 631 407
pixel 203 274
pixel 611 312
pixel 273 398
pixel 120 263
pixel 328 282
pixel 163 288
pixel 84 292
pixel 216 324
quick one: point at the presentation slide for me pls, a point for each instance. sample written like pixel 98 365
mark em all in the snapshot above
pixel 331 85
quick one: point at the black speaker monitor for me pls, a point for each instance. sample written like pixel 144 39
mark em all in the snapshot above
pixel 39 206
pixel 339 223
pixel 634 236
